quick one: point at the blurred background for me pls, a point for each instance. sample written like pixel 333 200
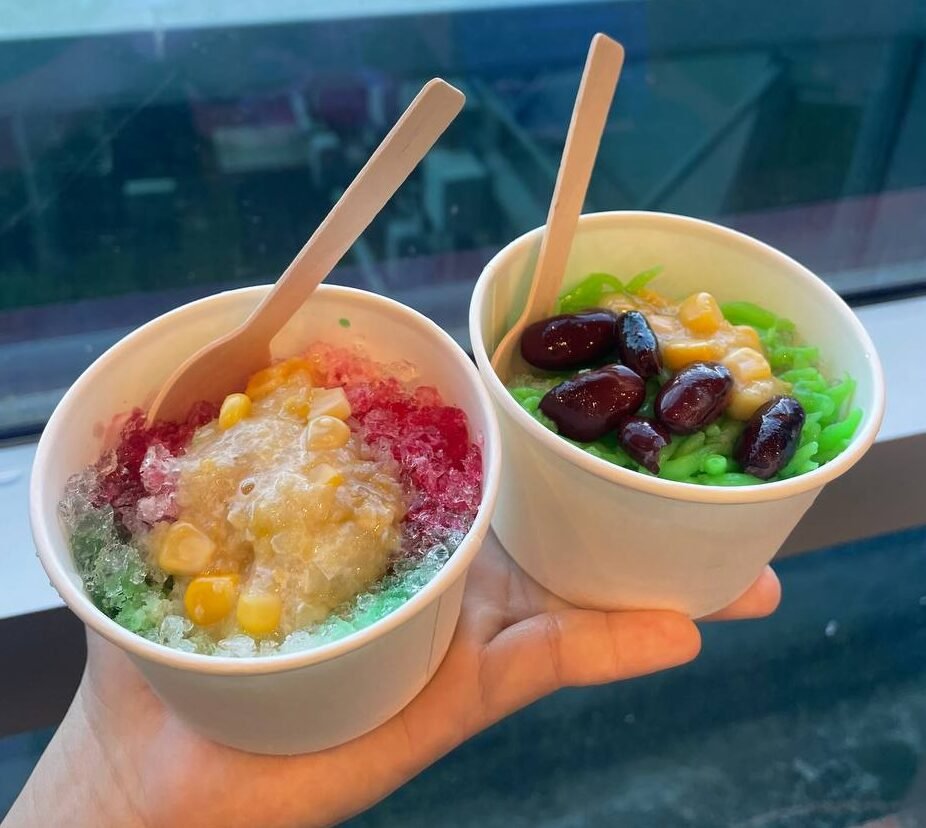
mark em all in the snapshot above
pixel 155 151
pixel 152 151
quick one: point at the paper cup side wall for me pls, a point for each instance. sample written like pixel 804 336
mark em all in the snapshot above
pixel 310 708
pixel 599 545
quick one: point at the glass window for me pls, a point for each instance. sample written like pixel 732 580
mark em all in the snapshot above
pixel 155 151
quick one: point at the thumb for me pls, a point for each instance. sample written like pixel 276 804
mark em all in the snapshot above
pixel 571 647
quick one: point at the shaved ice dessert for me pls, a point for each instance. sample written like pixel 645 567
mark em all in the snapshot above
pixel 306 508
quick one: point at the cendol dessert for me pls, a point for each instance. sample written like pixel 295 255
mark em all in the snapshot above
pixel 304 509
pixel 689 390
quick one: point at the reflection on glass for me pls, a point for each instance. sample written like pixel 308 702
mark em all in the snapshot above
pixel 149 155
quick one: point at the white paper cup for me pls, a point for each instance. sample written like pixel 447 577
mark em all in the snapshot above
pixel 305 701
pixel 605 537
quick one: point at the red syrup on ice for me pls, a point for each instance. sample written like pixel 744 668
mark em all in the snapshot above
pixel 431 444
pixel 120 482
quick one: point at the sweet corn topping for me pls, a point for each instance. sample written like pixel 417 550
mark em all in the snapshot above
pixel 330 401
pixel 259 613
pixel 747 365
pixel 696 331
pixel 326 432
pixel 701 314
pixel 678 353
pixel 299 403
pixel 747 337
pixel 234 409
pixel 746 399
pixel 185 550
pixel 325 475
pixel 209 598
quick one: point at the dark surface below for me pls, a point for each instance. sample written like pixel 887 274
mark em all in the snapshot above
pixel 49 650
pixel 814 718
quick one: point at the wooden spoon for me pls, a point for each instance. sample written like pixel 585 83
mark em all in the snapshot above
pixel 599 80
pixel 224 365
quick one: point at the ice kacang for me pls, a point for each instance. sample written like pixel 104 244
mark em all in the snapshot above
pixel 305 508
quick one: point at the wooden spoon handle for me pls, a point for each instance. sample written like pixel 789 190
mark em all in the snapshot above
pixel 426 118
pixel 596 90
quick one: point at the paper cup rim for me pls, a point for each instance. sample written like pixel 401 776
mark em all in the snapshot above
pixel 76 598
pixel 670 489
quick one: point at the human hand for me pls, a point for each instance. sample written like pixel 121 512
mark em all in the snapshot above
pixel 121 758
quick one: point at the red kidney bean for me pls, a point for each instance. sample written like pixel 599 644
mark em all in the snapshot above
pixel 643 439
pixel 771 437
pixel 571 340
pixel 637 344
pixel 695 397
pixel 590 405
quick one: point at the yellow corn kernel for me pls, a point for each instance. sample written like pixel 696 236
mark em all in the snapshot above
pixel 700 313
pixel 745 336
pixel 747 398
pixel 747 365
pixel 330 401
pixel 259 613
pixel 299 404
pixel 326 432
pixel 235 408
pixel 210 598
pixel 325 475
pixel 185 550
pixel 677 355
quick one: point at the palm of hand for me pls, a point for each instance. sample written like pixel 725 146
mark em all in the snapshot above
pixel 515 643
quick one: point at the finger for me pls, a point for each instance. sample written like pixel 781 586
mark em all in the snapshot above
pixel 102 657
pixel 579 647
pixel 499 593
pixel 110 674
pixel 761 599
